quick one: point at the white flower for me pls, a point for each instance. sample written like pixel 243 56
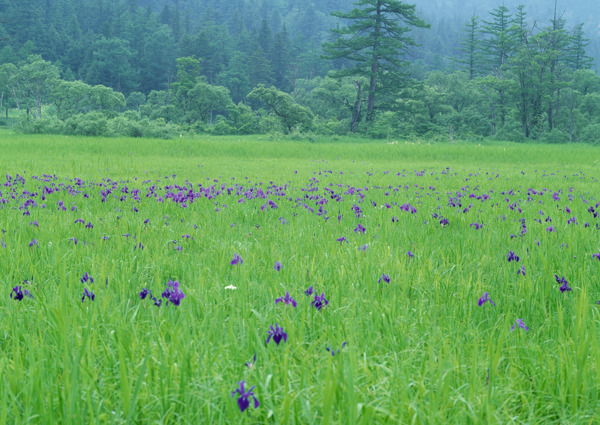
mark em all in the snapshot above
pixel 230 287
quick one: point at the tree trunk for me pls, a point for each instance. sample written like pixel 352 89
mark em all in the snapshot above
pixel 375 64
pixel 357 105
pixel 571 118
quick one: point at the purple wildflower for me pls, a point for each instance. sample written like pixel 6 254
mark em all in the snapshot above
pixel 319 302
pixel 309 291
pixel 33 242
pixel 18 293
pixel 236 260
pixel 520 324
pixel 444 222
pixel 244 399
pixel 476 225
pixel 521 271
pixel 550 229
pixel 89 225
pixel 385 277
pixel 485 298
pixel 360 228
pixel 86 277
pixel 512 257
pixel 286 300
pixel 145 292
pixel 565 285
pixel 173 293
pixel 410 254
pixel 596 256
pixel 278 266
pixel 88 294
pixel 332 350
pixel 277 334
pixel 341 240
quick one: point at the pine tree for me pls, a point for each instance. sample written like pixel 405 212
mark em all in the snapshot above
pixel 374 40
pixel 498 44
pixel 280 59
pixel 471 48
pixel 576 57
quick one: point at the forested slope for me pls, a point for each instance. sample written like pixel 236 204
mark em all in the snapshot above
pixel 477 69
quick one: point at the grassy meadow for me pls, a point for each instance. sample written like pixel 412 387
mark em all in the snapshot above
pixel 439 221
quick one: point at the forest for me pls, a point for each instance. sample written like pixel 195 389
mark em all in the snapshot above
pixel 374 68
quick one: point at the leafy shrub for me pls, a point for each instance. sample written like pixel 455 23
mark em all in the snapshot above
pixel 41 126
pixel 159 129
pixel 121 126
pixel 90 124
pixel 590 134
pixel 555 136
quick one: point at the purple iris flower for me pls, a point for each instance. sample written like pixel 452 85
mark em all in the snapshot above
pixel 244 398
pixel 34 223
pixel 309 291
pixel 550 229
pixel 277 334
pixel 88 294
pixel 476 225
pixel 410 254
pixel 286 300
pixel 236 260
pixel 79 220
pixel 341 240
pixel 145 292
pixel 173 293
pixel 86 277
pixel 332 350
pixel 512 257
pixel 4 244
pixel 89 225
pixel 444 222
pixel 485 298
pixel 360 228
pixel 521 271
pixel 18 293
pixel 385 277
pixel 520 324
pixel 319 302
pixel 278 266
pixel 596 256
pixel 565 285
pixel 33 242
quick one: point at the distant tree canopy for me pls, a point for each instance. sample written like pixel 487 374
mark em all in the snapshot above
pixel 373 67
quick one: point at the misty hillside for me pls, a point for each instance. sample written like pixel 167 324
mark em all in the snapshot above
pixel 468 68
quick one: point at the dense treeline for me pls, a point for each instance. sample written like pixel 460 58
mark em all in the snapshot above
pixel 150 68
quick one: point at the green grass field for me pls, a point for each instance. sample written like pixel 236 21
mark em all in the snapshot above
pixel 420 350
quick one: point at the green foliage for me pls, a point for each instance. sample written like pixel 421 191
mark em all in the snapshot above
pixel 291 114
pixel 373 42
pixel 591 134
pixel 412 355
